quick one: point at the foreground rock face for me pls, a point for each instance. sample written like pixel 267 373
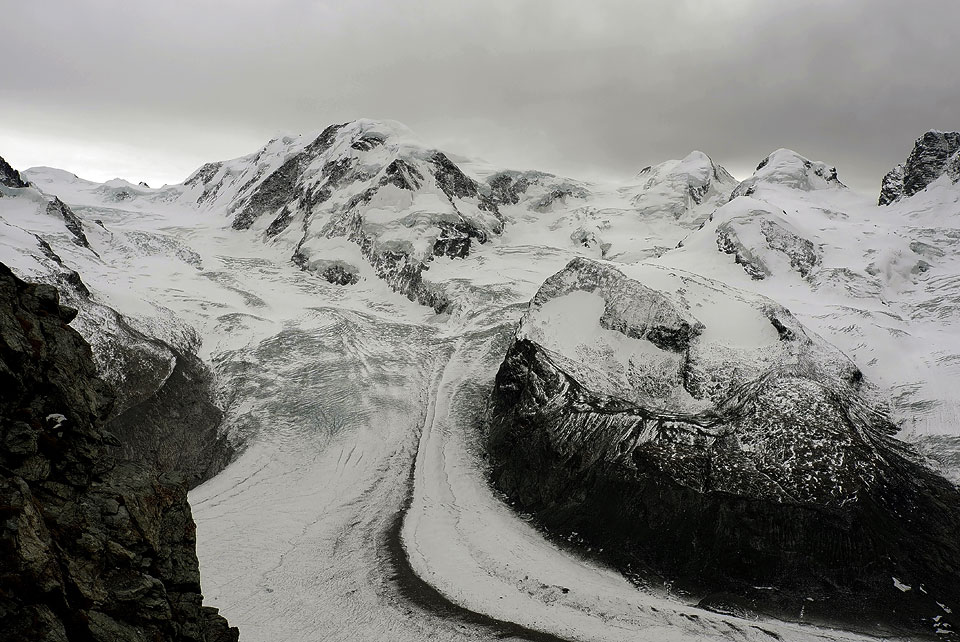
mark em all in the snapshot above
pixel 700 435
pixel 934 154
pixel 91 548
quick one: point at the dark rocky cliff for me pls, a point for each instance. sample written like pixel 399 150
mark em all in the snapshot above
pixel 91 547
pixel 166 417
pixel 934 154
pixel 9 176
pixel 778 490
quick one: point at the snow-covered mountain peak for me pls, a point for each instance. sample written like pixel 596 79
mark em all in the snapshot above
pixel 787 168
pixel 371 183
pixel 43 175
pixel 936 154
pixel 687 189
pixel 696 169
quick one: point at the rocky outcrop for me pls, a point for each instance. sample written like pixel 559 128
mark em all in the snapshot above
pixel 934 154
pixel 174 427
pixel 763 239
pixel 892 187
pixel 701 437
pixel 506 188
pixel 9 176
pixel 729 242
pixel 755 239
pixel 164 413
pixel 282 186
pixel 91 548
pixel 56 207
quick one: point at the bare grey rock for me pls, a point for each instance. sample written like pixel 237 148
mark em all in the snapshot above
pixel 91 547
pixel 934 154
pixel 9 176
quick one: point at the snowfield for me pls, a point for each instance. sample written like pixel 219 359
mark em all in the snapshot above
pixel 359 507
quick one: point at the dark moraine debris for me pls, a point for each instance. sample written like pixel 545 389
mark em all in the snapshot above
pixel 92 548
pixel 700 435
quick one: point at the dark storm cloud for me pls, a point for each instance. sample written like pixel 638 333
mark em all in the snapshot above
pixel 151 90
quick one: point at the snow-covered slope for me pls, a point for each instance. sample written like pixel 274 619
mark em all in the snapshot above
pixel 312 270
pixel 879 282
pixel 365 199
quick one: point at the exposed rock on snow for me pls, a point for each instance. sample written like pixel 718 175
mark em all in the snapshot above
pixel 56 207
pixel 763 240
pixel 9 176
pixel 92 548
pixel 934 154
pixel 291 351
pixel 700 432
pixel 336 272
pixel 401 203
pixel 539 191
pixel 892 187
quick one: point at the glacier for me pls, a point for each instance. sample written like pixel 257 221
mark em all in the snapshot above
pixel 354 292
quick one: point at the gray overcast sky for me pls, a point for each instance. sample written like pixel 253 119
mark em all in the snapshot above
pixel 150 90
